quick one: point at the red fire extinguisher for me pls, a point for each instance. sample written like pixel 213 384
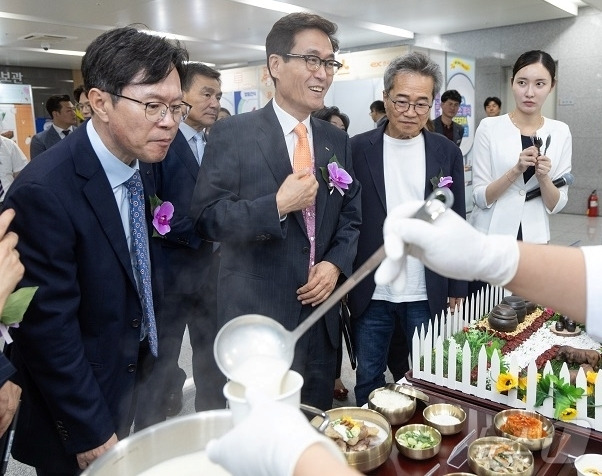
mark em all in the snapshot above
pixel 592 205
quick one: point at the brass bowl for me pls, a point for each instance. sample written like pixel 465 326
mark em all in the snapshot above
pixel 414 453
pixel 373 457
pixel 395 415
pixel 431 412
pixel 517 449
pixel 534 444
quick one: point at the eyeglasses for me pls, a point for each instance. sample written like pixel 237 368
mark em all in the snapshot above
pixel 421 108
pixel 314 62
pixel 81 106
pixel 155 111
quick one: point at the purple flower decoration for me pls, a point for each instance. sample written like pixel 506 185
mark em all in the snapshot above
pixel 339 177
pixel 162 214
pixel 445 182
pixel 440 181
pixel 336 176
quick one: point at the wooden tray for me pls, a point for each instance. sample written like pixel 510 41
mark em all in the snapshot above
pixel 566 333
pixel 479 423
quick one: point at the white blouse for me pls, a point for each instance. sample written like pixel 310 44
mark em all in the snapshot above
pixel 497 146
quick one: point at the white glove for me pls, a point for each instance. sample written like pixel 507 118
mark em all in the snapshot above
pixel 450 246
pixel 269 441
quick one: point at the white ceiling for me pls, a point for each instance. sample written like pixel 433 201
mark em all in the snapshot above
pixel 232 32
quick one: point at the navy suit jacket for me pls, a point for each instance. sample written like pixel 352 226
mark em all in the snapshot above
pixel 187 257
pixel 77 349
pixel 458 130
pixel 43 141
pixel 265 260
pixel 441 156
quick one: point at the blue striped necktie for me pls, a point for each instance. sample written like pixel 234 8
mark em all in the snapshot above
pixel 139 232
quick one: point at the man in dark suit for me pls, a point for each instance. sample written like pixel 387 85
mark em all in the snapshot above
pixel 248 198
pixel 11 272
pixel 444 124
pixel 397 162
pixel 89 334
pixel 64 120
pixel 190 271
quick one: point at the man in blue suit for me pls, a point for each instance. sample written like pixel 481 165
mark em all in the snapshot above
pixel 64 120
pixel 190 271
pixel 397 162
pixel 88 337
pixel 286 237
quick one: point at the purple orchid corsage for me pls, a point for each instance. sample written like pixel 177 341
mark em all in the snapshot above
pixel 162 215
pixel 441 181
pixel 336 176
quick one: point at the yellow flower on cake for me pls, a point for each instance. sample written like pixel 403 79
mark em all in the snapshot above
pixel 568 414
pixel 591 377
pixel 506 382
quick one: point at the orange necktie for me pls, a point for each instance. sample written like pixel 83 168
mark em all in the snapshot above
pixel 302 155
pixel 302 160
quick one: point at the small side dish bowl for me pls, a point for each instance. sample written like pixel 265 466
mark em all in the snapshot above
pixel 447 418
pixel 393 405
pixel 510 457
pixel 418 435
pixel 589 465
pixel 525 422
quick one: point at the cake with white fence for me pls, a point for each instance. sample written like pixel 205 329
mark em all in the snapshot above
pixel 520 369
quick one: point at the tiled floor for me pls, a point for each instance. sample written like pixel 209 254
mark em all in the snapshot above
pixel 567 230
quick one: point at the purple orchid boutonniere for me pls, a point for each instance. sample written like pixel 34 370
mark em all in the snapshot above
pixel 441 181
pixel 162 215
pixel 336 176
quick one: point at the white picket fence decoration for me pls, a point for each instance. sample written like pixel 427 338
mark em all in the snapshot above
pixel 427 345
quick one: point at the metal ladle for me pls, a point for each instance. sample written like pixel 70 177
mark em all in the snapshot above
pixel 254 335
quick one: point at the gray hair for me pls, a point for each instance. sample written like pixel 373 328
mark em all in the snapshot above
pixel 415 63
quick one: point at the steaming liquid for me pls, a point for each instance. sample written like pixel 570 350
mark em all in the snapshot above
pixel 262 372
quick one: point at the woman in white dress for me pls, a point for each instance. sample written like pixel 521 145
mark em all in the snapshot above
pixel 518 152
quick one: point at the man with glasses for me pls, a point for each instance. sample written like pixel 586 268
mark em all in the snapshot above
pixel 83 215
pixel 64 120
pixel 286 236
pixel 397 162
pixel 82 103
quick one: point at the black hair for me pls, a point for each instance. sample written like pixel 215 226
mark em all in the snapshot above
pixel 451 94
pixel 327 112
pixel 281 38
pixel 378 106
pixel 533 57
pixel 77 92
pixel 122 56
pixel 494 99
pixel 53 103
pixel 194 69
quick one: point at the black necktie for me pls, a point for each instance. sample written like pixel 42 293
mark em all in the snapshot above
pixel 66 132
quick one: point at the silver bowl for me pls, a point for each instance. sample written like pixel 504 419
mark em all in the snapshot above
pixel 431 413
pixel 162 442
pixel 418 454
pixel 534 444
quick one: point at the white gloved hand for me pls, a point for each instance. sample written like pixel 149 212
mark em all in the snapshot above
pixel 450 246
pixel 269 441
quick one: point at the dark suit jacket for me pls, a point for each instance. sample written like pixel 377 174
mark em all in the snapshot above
pixel 43 141
pixel 187 256
pixel 441 155
pixel 77 349
pixel 265 260
pixel 458 130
